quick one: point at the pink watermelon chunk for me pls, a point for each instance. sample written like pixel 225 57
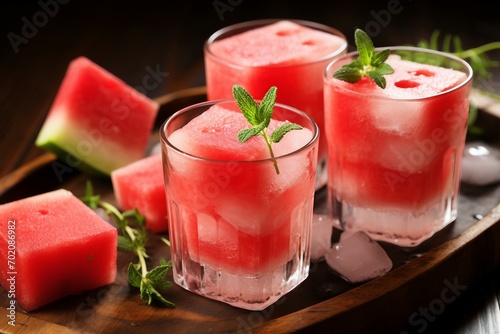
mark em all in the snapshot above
pixel 214 135
pixel 58 247
pixel 140 185
pixel 280 43
pixel 97 122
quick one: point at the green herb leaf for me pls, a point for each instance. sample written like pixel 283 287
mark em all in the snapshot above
pixel 278 134
pixel 156 277
pixel 478 59
pixel 370 63
pixel 259 116
pixel 349 73
pixel 246 134
pixel 247 105
pixel 364 45
pixel 132 237
pixel 134 277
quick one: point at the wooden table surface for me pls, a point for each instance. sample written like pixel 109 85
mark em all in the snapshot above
pixel 133 39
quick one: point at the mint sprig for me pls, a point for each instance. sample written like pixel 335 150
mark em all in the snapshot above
pixel 132 238
pixel 259 116
pixel 369 63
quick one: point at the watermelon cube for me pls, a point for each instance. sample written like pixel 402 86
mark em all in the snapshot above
pixel 140 185
pixel 97 123
pixel 52 245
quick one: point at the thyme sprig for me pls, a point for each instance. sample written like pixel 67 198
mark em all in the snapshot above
pixel 132 237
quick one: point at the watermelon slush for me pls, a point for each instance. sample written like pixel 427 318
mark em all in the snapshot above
pixel 239 232
pixel 288 54
pixel 395 153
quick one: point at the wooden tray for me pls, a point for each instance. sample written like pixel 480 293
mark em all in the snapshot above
pixel 434 272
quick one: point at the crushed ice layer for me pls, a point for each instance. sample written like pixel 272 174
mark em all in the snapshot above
pixel 322 228
pixel 358 258
pixel 480 164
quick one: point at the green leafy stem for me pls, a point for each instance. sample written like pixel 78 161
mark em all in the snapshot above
pixel 476 57
pixel 259 116
pixel 132 238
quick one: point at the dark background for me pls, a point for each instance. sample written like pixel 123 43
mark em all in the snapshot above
pixel 127 37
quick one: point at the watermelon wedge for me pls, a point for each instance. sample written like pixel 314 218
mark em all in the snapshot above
pixel 52 245
pixel 97 123
pixel 140 185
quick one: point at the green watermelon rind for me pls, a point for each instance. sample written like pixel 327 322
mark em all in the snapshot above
pixel 69 159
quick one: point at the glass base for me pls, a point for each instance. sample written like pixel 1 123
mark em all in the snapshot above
pixel 397 226
pixel 247 292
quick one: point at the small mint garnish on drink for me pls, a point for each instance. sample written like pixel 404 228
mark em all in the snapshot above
pixel 259 116
pixel 369 63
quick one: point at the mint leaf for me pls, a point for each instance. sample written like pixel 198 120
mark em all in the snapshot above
pixel 246 134
pixel 247 105
pixel 364 45
pixel 370 63
pixel 124 244
pixel 160 298
pixel 134 277
pixel 266 107
pixel 278 134
pixel 157 276
pixel 349 74
pixel 380 57
pixel 259 115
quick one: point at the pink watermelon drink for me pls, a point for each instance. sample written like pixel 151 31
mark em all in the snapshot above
pixel 290 55
pixel 395 153
pixel 239 232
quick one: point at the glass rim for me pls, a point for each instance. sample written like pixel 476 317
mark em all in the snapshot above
pixel 165 142
pixel 262 22
pixel 467 69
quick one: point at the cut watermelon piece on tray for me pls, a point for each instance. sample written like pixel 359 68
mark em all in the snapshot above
pixel 97 123
pixel 52 245
pixel 140 185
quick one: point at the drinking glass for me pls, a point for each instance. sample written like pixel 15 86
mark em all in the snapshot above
pixel 240 233
pixel 394 162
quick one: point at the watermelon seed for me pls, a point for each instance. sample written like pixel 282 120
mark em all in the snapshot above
pixel 308 42
pixel 424 72
pixel 406 84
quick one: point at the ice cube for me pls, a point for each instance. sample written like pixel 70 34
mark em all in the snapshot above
pixel 293 167
pixel 321 236
pixel 358 258
pixel 395 116
pixel 480 164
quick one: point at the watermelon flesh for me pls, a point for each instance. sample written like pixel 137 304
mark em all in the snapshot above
pixel 62 247
pixel 278 44
pixel 97 122
pixel 140 185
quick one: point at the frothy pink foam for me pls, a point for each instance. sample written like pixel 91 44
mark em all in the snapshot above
pixel 412 80
pixel 281 43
